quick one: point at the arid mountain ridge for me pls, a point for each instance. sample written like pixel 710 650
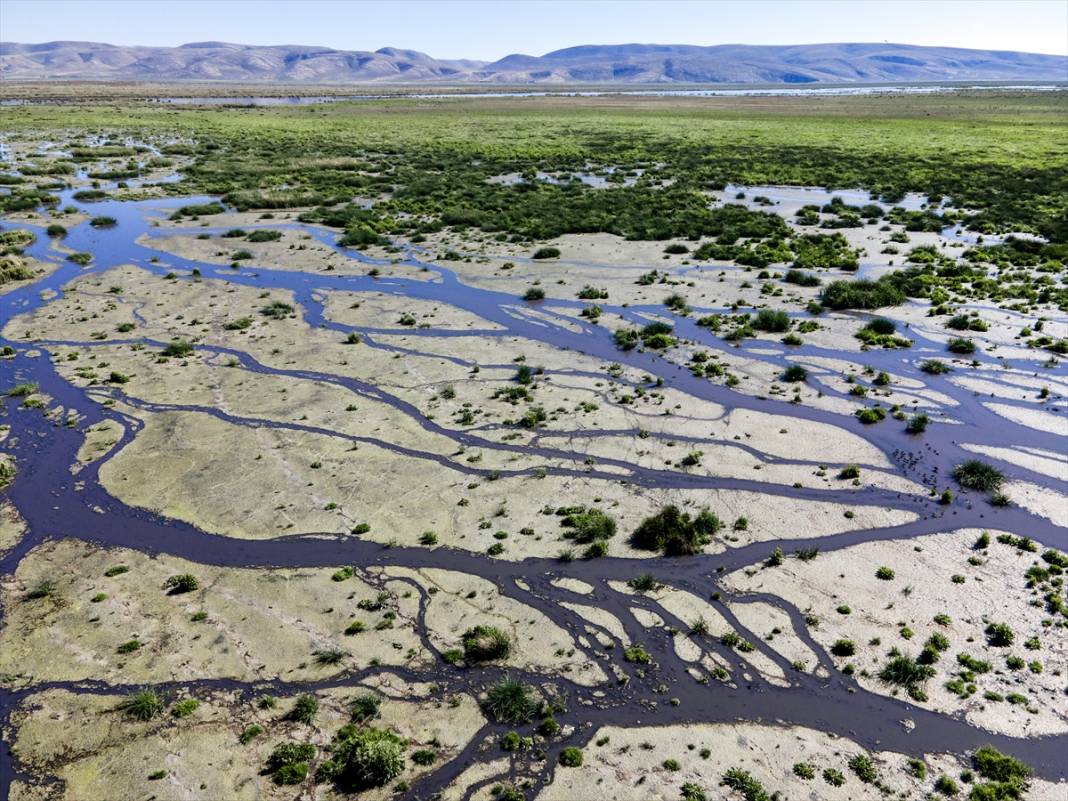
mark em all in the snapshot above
pixel 615 64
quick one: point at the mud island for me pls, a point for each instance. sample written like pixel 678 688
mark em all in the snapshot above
pixel 535 448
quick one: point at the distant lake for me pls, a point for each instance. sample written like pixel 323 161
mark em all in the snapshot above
pixel 774 91
pixel 422 94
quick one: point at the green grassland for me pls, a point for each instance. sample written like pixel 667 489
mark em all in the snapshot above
pixel 1001 155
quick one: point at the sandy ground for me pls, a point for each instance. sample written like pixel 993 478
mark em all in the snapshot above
pixel 630 764
pixel 97 752
pixel 355 486
pixel 882 612
pixel 258 624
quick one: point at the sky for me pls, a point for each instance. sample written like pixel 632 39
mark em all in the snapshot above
pixel 491 29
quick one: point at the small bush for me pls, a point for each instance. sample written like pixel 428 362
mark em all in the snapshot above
pixel 264 235
pixel 571 757
pixel 800 278
pixel 676 533
pixel 873 414
pixel 365 707
pixel 637 654
pixel 424 756
pixel 946 786
pixel 510 701
pixel 185 582
pixel 833 777
pixel 794 373
pixel 178 349
pixel 1000 635
pixel 743 782
pixel 546 253
pixel 277 309
pixel 934 367
pixel 143 705
pixel 250 734
pixel 884 573
pixel 978 475
pixel 185 707
pixel 771 321
pixel 862 766
pixel 905 671
pixel 486 643
pixel 804 770
pixel 304 709
pixel 843 648
pixel 288 762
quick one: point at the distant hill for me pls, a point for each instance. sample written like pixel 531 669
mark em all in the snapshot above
pixel 616 64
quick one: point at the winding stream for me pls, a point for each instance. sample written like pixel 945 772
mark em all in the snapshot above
pixel 57 504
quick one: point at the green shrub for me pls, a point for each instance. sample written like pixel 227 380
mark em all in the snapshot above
pixel 905 672
pixel 187 706
pixel 872 414
pixel 546 253
pixel 861 294
pixel 264 235
pixel 424 757
pixel 486 643
pixel 794 373
pixel 843 648
pixel 862 766
pixel 178 349
pixel 804 770
pixel 771 321
pixel 250 734
pixel 978 475
pixel 743 782
pixel 637 654
pixel 917 424
pixel 1000 635
pixel 184 582
pixel 800 278
pixel 674 532
pixel 510 701
pixel 288 762
pixel 277 309
pixel 589 525
pixel 571 757
pixel 365 707
pixel 304 709
pixel 833 777
pixel 934 367
pixel 946 786
pixel 644 583
pixel 142 705
pixel 993 765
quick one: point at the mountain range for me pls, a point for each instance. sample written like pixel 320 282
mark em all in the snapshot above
pixel 615 64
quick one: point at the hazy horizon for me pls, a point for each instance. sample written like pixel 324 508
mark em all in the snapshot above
pixel 462 29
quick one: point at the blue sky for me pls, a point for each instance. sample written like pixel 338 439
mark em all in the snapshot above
pixel 490 29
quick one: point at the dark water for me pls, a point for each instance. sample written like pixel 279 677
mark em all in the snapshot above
pixel 55 505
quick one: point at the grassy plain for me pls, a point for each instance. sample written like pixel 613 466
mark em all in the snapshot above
pixel 1005 153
